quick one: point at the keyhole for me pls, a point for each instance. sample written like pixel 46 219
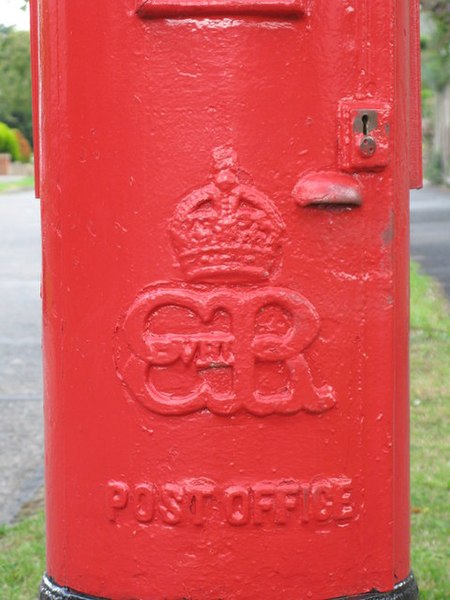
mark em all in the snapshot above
pixel 365 122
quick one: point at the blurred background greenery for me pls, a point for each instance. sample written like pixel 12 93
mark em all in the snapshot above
pixel 435 43
pixel 16 132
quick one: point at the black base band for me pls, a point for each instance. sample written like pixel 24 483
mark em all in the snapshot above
pixel 406 590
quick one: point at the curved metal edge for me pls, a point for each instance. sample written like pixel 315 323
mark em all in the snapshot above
pixel 49 590
pixel 405 590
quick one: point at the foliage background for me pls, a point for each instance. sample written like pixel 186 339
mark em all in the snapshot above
pixel 435 43
pixel 15 80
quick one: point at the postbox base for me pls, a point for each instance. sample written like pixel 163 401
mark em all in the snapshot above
pixel 406 590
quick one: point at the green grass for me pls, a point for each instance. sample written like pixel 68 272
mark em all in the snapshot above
pixel 430 435
pixel 22 558
pixel 25 182
pixel 22 545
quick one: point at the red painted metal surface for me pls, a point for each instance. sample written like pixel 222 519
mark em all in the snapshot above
pixel 224 195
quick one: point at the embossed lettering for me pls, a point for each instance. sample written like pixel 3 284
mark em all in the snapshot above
pixel 264 499
pixel 200 494
pixel 305 491
pixel 170 504
pixel 117 494
pixel 144 495
pixel 269 503
pixel 237 505
pixel 250 357
pixel 343 501
pixel 287 500
pixel 322 500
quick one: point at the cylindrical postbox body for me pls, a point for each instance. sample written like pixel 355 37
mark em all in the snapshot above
pixel 224 190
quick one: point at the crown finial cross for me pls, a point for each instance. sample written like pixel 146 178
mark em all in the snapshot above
pixel 225 167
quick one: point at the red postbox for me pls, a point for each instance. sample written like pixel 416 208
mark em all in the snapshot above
pixel 224 189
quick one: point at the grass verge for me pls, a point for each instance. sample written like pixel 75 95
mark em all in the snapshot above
pixel 20 184
pixel 430 434
pixel 22 558
pixel 22 545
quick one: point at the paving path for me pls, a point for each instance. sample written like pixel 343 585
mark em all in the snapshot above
pixel 430 232
pixel 21 437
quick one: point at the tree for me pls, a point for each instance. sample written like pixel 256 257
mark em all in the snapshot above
pixel 436 78
pixel 9 142
pixel 436 44
pixel 15 80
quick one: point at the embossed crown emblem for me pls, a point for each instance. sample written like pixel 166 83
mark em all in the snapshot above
pixel 185 348
pixel 227 230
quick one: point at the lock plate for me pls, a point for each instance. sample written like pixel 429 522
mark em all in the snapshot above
pixel 364 135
